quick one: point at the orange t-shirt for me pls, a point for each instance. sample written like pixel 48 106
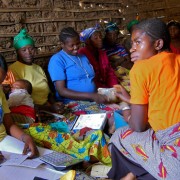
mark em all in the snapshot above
pixel 156 82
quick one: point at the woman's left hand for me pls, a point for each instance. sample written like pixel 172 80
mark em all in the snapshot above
pixel 29 146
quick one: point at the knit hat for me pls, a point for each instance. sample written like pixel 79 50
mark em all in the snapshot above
pixel 22 39
pixel 131 23
pixel 111 27
pixel 86 34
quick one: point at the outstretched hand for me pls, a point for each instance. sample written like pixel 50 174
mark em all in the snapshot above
pixel 58 107
pixel 100 98
pixel 30 146
pixel 122 93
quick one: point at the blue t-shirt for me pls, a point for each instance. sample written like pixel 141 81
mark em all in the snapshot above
pixel 76 71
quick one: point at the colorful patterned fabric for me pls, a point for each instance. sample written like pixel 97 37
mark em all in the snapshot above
pixel 82 144
pixel 93 144
pixel 157 152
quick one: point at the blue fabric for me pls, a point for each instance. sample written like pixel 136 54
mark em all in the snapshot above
pixel 61 67
pixel 119 120
pixel 86 34
pixel 1 115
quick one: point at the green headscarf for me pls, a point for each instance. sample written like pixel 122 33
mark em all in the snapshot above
pixel 22 39
pixel 131 23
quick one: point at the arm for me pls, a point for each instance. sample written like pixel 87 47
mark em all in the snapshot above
pixel 138 120
pixel 18 133
pixel 63 91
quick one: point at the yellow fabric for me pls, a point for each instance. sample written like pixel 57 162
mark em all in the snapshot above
pixel 5 108
pixel 36 76
pixel 156 82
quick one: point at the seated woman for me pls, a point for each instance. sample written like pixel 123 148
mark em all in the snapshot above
pixel 118 57
pixel 72 76
pixel 149 147
pixel 104 74
pixel 71 73
pixel 174 30
pixel 5 119
pixel 24 68
pixel 20 102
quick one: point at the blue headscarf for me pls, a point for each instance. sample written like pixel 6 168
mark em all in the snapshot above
pixel 86 34
pixel 111 27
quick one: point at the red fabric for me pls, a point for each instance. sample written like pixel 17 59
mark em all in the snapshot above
pixel 174 49
pixel 24 110
pixel 104 74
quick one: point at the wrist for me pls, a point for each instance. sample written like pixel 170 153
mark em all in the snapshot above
pixel 23 136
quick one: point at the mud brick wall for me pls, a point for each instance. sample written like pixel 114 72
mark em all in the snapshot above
pixel 45 18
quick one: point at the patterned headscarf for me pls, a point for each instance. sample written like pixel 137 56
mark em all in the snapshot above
pixel 86 34
pixel 22 39
pixel 111 27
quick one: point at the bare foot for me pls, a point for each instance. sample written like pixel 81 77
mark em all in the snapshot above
pixel 129 176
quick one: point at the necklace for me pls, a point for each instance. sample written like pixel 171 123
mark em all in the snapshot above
pixel 78 64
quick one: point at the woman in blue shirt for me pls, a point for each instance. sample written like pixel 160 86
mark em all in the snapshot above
pixel 71 73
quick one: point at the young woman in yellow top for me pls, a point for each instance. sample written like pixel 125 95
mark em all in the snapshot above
pixel 149 148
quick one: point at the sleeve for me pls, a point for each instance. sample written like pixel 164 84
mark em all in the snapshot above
pixel 138 85
pixel 56 68
pixel 4 102
pixel 9 78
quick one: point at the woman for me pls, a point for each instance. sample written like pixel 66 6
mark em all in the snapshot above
pixel 117 54
pixel 71 73
pixel 24 68
pixel 104 74
pixel 149 147
pixel 174 30
pixel 5 119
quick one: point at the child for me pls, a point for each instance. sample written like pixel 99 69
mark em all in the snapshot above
pixel 21 103
pixel 149 147
pixel 71 73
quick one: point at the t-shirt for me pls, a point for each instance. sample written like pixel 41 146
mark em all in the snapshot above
pixel 34 74
pixel 76 71
pixel 3 109
pixel 155 81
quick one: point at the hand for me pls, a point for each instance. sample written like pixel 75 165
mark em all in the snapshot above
pixel 100 98
pixel 29 146
pixel 58 107
pixel 122 93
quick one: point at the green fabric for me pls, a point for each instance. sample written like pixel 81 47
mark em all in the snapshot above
pixel 22 39
pixel 131 23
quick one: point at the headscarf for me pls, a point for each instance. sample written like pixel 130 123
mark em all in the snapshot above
pixel 173 23
pixel 111 27
pixel 132 23
pixel 86 34
pixel 22 39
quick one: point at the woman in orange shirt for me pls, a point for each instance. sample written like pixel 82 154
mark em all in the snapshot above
pixel 149 147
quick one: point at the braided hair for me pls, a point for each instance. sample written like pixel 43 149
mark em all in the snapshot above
pixel 67 32
pixel 155 29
